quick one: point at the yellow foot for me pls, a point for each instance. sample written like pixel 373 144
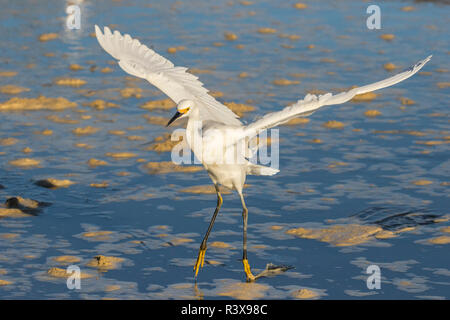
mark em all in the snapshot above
pixel 200 261
pixel 250 276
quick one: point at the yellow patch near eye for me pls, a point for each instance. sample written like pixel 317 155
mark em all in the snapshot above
pixel 184 110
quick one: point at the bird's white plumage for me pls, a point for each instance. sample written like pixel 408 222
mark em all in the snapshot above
pixel 140 61
pixel 220 129
pixel 311 103
pixel 213 131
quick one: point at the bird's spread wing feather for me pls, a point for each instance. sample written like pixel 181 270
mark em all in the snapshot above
pixel 140 61
pixel 311 103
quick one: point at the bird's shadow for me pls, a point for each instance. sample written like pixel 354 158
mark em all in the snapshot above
pixel 395 218
pixel 272 270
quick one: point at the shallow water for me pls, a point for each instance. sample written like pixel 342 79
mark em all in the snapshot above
pixel 373 191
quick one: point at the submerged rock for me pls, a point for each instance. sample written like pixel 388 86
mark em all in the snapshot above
pixel 18 206
pixel 51 183
pixel 19 202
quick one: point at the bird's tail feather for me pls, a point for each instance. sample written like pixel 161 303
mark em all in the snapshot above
pixel 259 170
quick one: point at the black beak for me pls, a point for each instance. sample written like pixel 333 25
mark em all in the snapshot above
pixel 175 117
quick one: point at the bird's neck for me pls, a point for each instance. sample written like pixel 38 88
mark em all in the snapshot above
pixel 194 132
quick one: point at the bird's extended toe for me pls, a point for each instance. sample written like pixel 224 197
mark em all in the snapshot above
pixel 200 260
pixel 248 272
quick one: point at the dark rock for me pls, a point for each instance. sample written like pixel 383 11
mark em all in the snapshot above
pixel 45 183
pixel 28 206
pixel 12 202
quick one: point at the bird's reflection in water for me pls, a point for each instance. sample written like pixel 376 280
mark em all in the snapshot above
pixel 197 292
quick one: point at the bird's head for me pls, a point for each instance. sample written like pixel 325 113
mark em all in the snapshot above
pixel 184 107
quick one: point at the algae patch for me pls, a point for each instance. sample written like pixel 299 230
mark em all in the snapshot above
pixel 66 260
pixel 51 183
pixel 387 36
pixel 244 291
pixel 85 131
pixel 62 273
pixel 305 294
pixel 267 30
pixel 12 213
pixel 104 263
pixel 285 82
pixel 4 282
pixel 342 235
pixel 163 143
pixel 40 103
pixel 100 104
pixel 131 92
pixel 333 124
pixel 364 97
pixel 239 108
pixel 8 73
pixel 25 162
pixel 296 121
pixel 8 141
pixel 12 89
pixel 95 163
pixel 205 189
pixel 100 184
pixel 168 167
pixel 220 245
pixel 120 155
pixel 48 37
pixel 372 113
pixel 70 82
pixel 390 66
pixel 440 240
pixel 97 235
pixel 164 104
pixel 300 5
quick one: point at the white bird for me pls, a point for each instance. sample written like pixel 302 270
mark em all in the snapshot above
pixel 213 130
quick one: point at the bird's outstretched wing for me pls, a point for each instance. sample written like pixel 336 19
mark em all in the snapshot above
pixel 140 61
pixel 311 103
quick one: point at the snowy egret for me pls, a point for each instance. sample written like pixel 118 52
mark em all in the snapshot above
pixel 212 127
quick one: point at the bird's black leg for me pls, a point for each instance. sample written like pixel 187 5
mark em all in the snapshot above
pixel 202 251
pixel 250 276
